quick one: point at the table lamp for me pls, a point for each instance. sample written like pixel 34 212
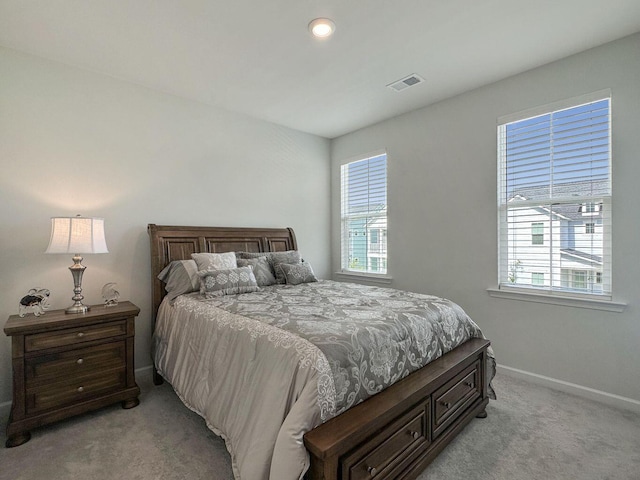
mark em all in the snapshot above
pixel 77 235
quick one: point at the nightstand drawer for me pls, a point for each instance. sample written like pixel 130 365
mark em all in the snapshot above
pixel 45 397
pixel 86 361
pixel 73 336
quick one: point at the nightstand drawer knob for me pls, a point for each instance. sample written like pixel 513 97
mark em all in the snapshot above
pixel 415 435
pixel 80 361
pixel 80 389
pixel 80 334
pixel 446 404
pixel 372 471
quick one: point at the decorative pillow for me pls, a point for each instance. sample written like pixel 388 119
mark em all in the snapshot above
pixel 180 276
pixel 261 269
pixel 215 283
pixel 278 258
pixel 295 274
pixel 215 261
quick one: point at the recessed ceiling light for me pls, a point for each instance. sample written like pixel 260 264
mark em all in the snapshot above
pixel 322 27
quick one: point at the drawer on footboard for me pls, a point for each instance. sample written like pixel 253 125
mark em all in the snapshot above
pixel 453 398
pixel 388 451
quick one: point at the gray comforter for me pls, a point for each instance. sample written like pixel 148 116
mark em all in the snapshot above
pixel 330 345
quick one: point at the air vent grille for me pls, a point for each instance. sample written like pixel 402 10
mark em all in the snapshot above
pixel 404 83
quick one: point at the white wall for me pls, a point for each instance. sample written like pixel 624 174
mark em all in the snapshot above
pixel 72 141
pixel 443 217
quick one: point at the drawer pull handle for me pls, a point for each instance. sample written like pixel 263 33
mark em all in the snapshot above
pixel 80 361
pixel 80 334
pixel 372 471
pixel 80 389
pixel 469 384
pixel 415 435
pixel 446 404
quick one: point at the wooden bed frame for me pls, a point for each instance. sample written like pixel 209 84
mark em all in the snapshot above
pixel 392 435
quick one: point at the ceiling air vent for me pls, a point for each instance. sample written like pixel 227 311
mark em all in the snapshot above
pixel 410 81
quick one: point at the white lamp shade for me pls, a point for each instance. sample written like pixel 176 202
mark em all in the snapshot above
pixel 77 235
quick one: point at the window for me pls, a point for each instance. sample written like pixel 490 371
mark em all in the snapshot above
pixel 363 185
pixel 589 209
pixel 537 278
pixel 374 264
pixel 554 188
pixel 537 233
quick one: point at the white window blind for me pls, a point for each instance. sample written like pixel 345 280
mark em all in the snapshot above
pixel 554 199
pixel 363 187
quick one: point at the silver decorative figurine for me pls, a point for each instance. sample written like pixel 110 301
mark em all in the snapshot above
pixel 110 294
pixel 36 300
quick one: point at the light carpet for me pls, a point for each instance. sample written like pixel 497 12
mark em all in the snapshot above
pixel 531 432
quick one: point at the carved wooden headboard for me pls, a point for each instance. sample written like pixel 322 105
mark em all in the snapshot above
pixel 170 243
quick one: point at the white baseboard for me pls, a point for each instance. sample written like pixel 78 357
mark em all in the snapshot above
pixel 144 370
pixel 579 390
pixel 586 392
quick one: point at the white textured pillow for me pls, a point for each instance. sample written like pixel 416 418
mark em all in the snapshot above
pixel 215 261
pixel 215 283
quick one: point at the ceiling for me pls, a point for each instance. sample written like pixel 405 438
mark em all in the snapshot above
pixel 257 57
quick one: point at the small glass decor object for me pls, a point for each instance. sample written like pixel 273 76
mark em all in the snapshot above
pixel 36 301
pixel 110 294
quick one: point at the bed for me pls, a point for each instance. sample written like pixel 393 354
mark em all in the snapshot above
pixel 287 422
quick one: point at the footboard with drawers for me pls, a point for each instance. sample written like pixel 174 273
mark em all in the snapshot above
pixel 396 433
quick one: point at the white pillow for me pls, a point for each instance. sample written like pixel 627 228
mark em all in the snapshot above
pixel 215 261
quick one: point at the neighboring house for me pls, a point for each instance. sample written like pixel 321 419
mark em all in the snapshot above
pixel 368 238
pixel 566 235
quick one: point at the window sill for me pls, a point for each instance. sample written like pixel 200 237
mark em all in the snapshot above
pixel 368 277
pixel 564 300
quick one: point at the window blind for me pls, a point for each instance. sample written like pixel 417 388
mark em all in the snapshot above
pixel 363 186
pixel 554 200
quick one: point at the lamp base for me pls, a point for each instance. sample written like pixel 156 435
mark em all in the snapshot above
pixel 78 308
pixel 77 269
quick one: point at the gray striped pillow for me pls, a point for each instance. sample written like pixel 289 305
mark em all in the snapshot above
pixel 261 269
pixel 180 276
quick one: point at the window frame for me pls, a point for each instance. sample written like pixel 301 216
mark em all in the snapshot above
pixel 596 300
pixel 382 263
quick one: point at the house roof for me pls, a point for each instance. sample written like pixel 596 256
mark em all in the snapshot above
pixel 582 255
pixel 573 212
pixel 569 189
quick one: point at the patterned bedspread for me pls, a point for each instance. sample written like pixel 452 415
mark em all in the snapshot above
pixel 264 368
pixel 371 336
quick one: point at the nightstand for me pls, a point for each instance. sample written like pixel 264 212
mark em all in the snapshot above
pixel 67 364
